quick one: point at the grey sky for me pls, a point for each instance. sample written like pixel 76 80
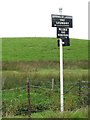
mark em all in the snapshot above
pixel 25 18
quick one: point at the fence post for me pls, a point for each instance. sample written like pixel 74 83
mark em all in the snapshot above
pixel 52 84
pixel 28 91
pixel 79 92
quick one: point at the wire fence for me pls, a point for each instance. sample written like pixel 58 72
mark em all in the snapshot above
pixel 36 98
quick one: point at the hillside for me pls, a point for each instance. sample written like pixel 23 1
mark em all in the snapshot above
pixel 42 49
pixel 37 59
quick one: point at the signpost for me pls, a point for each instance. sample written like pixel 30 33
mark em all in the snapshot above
pixel 63 23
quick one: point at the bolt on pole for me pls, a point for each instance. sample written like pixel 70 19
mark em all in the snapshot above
pixel 61 71
pixel 60 10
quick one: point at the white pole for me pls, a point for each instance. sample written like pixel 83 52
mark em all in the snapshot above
pixel 61 71
pixel 61 76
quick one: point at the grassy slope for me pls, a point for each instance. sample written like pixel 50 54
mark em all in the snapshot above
pixel 43 55
pixel 42 49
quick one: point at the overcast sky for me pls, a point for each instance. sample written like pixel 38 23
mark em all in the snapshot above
pixel 32 18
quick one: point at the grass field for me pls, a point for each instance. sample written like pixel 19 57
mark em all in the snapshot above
pixel 78 114
pixel 42 49
pixel 38 60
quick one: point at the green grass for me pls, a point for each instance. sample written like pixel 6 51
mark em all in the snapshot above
pixel 0 50
pixel 17 79
pixel 15 102
pixel 77 114
pixel 80 113
pixel 42 98
pixel 42 49
pixel 38 60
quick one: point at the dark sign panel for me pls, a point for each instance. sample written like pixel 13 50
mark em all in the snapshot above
pixel 66 42
pixel 62 21
pixel 62 32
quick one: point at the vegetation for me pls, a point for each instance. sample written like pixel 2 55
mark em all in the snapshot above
pixel 78 114
pixel 15 101
pixel 37 59
pixel 42 49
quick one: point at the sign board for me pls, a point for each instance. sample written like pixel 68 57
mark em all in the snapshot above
pixel 62 21
pixel 66 41
pixel 62 32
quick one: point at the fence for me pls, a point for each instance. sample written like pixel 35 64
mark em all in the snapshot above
pixel 35 98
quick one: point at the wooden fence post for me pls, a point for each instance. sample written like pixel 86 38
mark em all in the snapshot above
pixel 79 92
pixel 52 84
pixel 28 91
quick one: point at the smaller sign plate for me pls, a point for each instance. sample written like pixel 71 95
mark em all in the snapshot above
pixel 62 32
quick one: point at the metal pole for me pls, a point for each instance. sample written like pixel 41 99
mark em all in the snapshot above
pixel 61 71
pixel 61 76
